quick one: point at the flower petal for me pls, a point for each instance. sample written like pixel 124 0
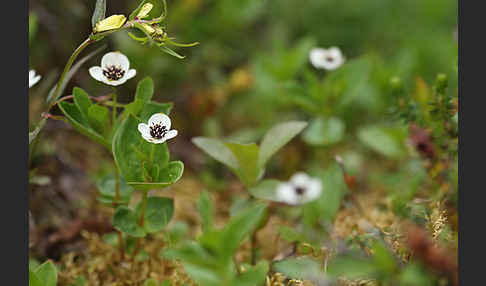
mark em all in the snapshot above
pixel 314 190
pixel 144 129
pixel 131 73
pixel 97 73
pixel 31 74
pixel 286 193
pixel 148 138
pixel 161 119
pixel 300 180
pixel 115 59
pixel 159 141
pixel 114 82
pixel 171 134
pixel 316 56
pixel 33 80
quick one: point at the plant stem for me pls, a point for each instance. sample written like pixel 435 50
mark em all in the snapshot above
pixel 121 244
pixel 253 247
pixel 117 185
pixel 140 223
pixel 144 206
pixel 113 121
pixel 75 54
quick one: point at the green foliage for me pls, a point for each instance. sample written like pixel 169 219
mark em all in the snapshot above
pixel 327 205
pixel 127 221
pixel 208 261
pixel 89 119
pixel 248 161
pixel 388 141
pixel 324 131
pixel 266 189
pixel 299 268
pixel 206 210
pixel 158 213
pixel 43 275
pixel 106 187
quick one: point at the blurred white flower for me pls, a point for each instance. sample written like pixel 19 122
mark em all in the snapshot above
pixel 33 79
pixel 300 189
pixel 157 130
pixel 329 59
pixel 114 70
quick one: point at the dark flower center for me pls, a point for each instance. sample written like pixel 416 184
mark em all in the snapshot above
pixel 113 72
pixel 329 59
pixel 299 190
pixel 157 131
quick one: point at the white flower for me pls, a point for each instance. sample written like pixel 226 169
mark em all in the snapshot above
pixel 300 189
pixel 329 59
pixel 158 129
pixel 114 70
pixel 33 79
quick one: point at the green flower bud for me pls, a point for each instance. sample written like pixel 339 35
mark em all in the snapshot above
pixel 146 8
pixel 111 23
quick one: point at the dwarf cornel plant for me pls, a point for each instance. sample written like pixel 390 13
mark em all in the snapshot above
pixel 138 164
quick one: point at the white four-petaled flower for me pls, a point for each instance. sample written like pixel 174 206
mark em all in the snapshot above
pixel 158 129
pixel 33 79
pixel 329 59
pixel 300 189
pixel 114 70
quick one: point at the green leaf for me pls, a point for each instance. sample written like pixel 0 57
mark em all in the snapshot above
pixel 158 213
pixel 383 258
pixel 145 89
pixel 254 275
pixel 277 137
pixel 158 9
pixel 290 234
pixel 266 190
pixel 76 119
pixel 322 132
pixel 125 220
pixel 106 186
pixel 32 25
pixel 201 266
pixel 82 101
pixel 34 280
pixel 99 119
pixel 47 273
pixel 206 210
pixel 171 52
pixel 352 268
pixel 299 268
pixel 385 140
pixel 240 226
pixel 134 107
pixel 128 146
pixel 217 150
pixel 152 107
pixel 327 205
pixel 151 282
pixel 247 157
pixel 99 12
pixel 413 274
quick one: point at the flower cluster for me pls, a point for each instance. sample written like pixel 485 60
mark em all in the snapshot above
pixel 300 189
